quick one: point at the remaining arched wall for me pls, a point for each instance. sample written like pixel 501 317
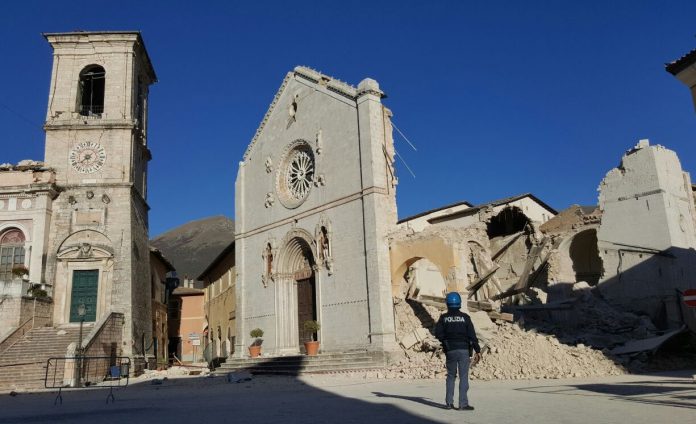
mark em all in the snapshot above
pixel 442 253
pixel 577 258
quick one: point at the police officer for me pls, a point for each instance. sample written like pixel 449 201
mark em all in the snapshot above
pixel 456 332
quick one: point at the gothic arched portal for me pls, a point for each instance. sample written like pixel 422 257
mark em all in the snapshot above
pixel 296 291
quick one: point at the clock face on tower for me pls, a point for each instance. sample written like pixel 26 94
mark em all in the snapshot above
pixel 87 157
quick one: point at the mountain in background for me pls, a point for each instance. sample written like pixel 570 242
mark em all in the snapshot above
pixel 193 246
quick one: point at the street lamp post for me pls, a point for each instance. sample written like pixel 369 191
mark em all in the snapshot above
pixel 81 311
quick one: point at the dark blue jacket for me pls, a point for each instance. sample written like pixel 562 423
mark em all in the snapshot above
pixel 455 331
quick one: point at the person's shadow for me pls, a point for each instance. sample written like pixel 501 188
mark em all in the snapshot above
pixel 416 399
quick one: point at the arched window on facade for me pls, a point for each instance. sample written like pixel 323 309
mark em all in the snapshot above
pixel 91 96
pixel 11 252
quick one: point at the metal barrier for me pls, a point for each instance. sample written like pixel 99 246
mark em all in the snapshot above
pixel 87 371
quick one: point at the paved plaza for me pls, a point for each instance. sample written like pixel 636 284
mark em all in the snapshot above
pixel 336 399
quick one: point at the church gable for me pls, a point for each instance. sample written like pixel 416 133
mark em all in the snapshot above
pixel 306 151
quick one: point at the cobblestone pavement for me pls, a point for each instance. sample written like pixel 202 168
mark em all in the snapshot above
pixel 336 399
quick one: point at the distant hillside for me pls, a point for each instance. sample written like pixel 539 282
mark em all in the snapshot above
pixel 193 246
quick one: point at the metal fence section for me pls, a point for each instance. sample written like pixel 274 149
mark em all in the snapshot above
pixel 87 371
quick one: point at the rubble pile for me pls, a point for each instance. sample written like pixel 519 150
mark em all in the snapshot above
pixel 509 352
pixel 594 322
pixel 518 354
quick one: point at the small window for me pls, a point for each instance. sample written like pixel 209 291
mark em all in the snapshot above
pixel 91 96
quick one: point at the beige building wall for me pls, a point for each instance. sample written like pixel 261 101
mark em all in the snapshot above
pixel 219 281
pixel 26 201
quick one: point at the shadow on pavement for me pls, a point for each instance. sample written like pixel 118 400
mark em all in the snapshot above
pixel 680 393
pixel 265 399
pixel 416 399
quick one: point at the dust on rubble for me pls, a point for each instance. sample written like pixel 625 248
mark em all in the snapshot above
pixel 509 352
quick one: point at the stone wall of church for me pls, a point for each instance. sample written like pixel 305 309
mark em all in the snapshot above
pixel 352 195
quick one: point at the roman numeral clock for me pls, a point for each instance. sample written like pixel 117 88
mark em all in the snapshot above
pixel 87 157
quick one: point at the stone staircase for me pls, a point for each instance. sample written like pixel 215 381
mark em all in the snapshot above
pixel 23 365
pixel 302 364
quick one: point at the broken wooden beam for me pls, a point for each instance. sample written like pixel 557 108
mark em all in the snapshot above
pixel 501 316
pixel 473 288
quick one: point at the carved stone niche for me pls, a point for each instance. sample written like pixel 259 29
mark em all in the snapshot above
pixel 270 253
pixel 323 238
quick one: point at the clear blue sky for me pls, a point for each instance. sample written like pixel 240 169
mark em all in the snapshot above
pixel 499 97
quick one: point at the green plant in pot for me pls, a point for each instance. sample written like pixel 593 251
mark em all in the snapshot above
pixel 20 271
pixel 312 347
pixel 255 347
pixel 36 291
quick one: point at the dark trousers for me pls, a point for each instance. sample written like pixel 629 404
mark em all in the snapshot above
pixel 457 361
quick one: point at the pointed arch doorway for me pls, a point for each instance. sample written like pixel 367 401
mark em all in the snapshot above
pixel 296 292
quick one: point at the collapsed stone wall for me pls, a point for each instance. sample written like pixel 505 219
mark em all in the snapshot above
pixel 509 351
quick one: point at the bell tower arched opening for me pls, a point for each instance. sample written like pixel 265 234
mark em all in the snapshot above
pixel 92 88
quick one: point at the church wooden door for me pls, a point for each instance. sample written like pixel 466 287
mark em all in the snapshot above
pixel 306 308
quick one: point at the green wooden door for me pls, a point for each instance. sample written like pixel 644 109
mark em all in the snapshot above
pixel 84 290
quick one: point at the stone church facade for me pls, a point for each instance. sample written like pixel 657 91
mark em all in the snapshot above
pixel 82 214
pixel 315 200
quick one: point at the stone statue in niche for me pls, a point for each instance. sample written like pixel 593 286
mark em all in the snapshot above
pixel 324 249
pixel 267 256
pixel 319 142
pixel 292 110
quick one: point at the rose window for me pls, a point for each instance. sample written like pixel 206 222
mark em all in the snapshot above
pixel 295 176
pixel 300 174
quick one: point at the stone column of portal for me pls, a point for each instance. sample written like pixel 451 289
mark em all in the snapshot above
pixel 379 209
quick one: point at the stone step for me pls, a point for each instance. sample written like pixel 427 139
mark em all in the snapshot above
pixel 23 365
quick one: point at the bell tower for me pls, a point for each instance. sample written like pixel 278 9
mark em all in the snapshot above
pixel 96 141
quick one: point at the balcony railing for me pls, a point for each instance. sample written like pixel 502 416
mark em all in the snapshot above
pixel 92 110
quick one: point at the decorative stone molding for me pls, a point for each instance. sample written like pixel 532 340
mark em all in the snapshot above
pixel 269 200
pixel 320 180
pixel 330 83
pixel 269 165
pixel 270 110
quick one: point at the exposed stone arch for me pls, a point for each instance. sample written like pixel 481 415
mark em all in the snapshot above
pixel 443 253
pixel 577 258
pixel 508 221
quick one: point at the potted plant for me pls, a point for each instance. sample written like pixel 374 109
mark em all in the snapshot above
pixel 35 290
pixel 312 347
pixel 20 271
pixel 255 348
